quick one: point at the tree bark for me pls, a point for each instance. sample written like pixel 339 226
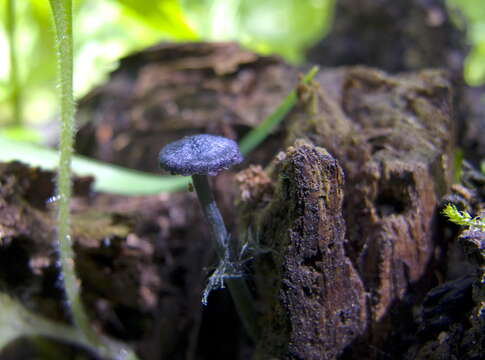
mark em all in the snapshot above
pixel 393 136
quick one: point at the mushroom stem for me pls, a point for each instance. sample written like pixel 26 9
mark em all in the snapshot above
pixel 212 214
pixel 238 288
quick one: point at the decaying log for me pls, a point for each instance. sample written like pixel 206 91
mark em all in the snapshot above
pixel 314 303
pixel 392 136
pixel 396 155
pixel 330 277
pixel 140 264
pixel 405 35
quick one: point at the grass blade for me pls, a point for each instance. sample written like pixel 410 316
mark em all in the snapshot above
pixel 108 178
pixel 257 135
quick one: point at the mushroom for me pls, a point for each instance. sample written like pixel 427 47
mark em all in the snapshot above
pixel 201 156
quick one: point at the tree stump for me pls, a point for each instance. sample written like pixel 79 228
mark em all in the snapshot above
pixel 313 300
pixel 392 136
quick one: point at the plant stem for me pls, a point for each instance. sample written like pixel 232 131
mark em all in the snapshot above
pixel 225 249
pixel 16 95
pixel 244 302
pixel 211 213
pixel 62 11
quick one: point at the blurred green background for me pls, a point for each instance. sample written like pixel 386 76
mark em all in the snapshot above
pixel 105 30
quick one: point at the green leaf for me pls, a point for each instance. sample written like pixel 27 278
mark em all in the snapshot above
pixel 285 27
pixel 164 15
pixel 108 178
pixel 16 321
pixel 16 90
pixel 22 133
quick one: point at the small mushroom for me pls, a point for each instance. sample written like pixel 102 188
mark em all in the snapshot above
pixel 201 156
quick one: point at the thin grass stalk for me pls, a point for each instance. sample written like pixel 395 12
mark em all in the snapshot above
pixel 258 134
pixel 62 13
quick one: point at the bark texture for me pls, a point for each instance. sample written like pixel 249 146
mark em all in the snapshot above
pixel 313 299
pixel 406 35
pixel 396 153
pixel 393 136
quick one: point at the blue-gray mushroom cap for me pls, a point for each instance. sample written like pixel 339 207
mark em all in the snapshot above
pixel 200 154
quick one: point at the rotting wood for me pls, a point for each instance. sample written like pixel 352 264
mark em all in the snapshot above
pixel 314 303
pixel 138 273
pixel 392 136
pixel 396 154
